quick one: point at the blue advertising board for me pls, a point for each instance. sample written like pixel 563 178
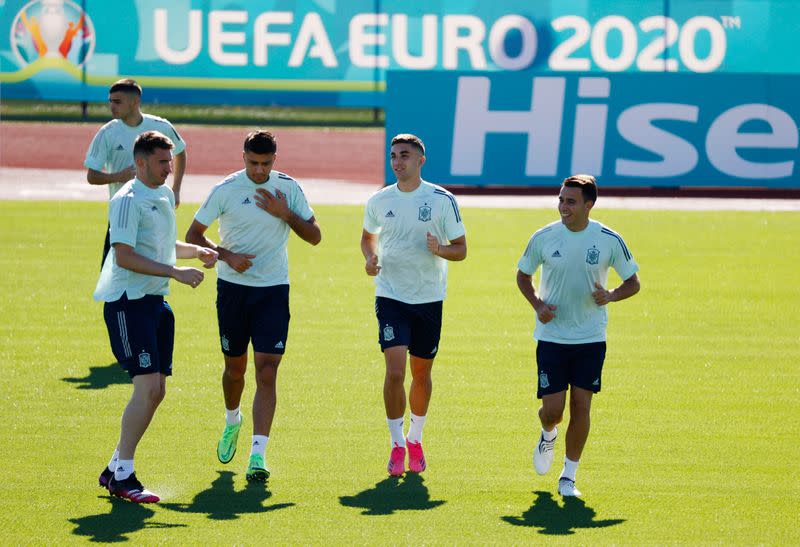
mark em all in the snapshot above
pixel 632 129
pixel 323 52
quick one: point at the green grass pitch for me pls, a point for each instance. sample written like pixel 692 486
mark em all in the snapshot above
pixel 694 437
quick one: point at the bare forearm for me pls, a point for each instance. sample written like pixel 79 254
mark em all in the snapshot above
pixel 140 264
pixel 628 288
pixel 369 247
pixel 307 230
pixel 187 250
pixel 525 286
pixel 179 168
pixel 98 178
pixel 454 251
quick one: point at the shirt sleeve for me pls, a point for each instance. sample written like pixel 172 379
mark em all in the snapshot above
pixel 211 208
pixel 371 223
pixel 453 227
pixel 298 202
pixel 97 155
pixel 175 137
pixel 622 260
pixel 123 216
pixel 531 258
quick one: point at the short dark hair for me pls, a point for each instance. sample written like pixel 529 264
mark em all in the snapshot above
pixel 126 85
pixel 149 141
pixel 261 142
pixel 586 183
pixel 408 138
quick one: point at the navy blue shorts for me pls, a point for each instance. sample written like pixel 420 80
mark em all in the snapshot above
pixel 142 334
pixel 416 326
pixel 260 314
pixel 562 365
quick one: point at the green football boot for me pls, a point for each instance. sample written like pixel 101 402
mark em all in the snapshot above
pixel 226 447
pixel 257 470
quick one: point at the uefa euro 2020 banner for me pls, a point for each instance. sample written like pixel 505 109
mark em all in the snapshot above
pixel 329 52
pixel 534 129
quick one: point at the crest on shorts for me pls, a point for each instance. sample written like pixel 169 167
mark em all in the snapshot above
pixel 592 256
pixel 388 333
pixel 543 381
pixel 424 213
pixel 226 345
pixel 144 359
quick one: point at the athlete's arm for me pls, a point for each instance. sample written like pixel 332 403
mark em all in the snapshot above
pixel 189 250
pixel 369 248
pixel 100 178
pixel 129 259
pixel 457 250
pixel 196 235
pixel 628 288
pixel 545 312
pixel 178 169
pixel 277 206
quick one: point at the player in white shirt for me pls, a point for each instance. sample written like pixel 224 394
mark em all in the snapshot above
pixel 109 160
pixel 575 255
pixel 133 283
pixel 411 229
pixel 257 207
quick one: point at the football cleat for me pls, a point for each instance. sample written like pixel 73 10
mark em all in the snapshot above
pixel 105 477
pixel 131 489
pixel 257 470
pixel 566 487
pixel 397 461
pixel 226 447
pixel 416 458
pixel 543 454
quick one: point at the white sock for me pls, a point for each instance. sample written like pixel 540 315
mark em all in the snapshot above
pixel 570 469
pixel 259 445
pixel 415 428
pixel 549 435
pixel 124 470
pixel 232 417
pixel 396 431
pixel 112 464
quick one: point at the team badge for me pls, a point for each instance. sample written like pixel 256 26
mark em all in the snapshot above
pixel 388 333
pixel 592 256
pixel 144 359
pixel 226 345
pixel 544 382
pixel 424 213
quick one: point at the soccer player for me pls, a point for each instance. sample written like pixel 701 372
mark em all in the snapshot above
pixel 575 254
pixel 411 229
pixel 133 282
pixel 109 159
pixel 256 207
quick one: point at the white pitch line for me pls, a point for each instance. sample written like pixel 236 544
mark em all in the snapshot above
pixel 59 184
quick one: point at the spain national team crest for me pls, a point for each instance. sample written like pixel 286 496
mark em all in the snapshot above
pixel 388 333
pixel 424 213
pixel 544 382
pixel 592 256
pixel 226 345
pixel 144 359
pixel 57 29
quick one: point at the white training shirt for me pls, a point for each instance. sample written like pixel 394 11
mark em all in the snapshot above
pixel 143 218
pixel 409 272
pixel 246 228
pixel 571 263
pixel 111 150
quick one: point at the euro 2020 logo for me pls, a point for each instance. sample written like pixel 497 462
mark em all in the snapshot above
pixel 54 29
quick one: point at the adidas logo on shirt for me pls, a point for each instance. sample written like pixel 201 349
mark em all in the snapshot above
pixel 390 215
pixel 556 255
pixel 119 147
pixel 246 201
pixel 279 345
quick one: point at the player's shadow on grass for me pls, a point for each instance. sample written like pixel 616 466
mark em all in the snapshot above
pixel 124 519
pixel 222 502
pixel 554 520
pixel 101 377
pixel 393 494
